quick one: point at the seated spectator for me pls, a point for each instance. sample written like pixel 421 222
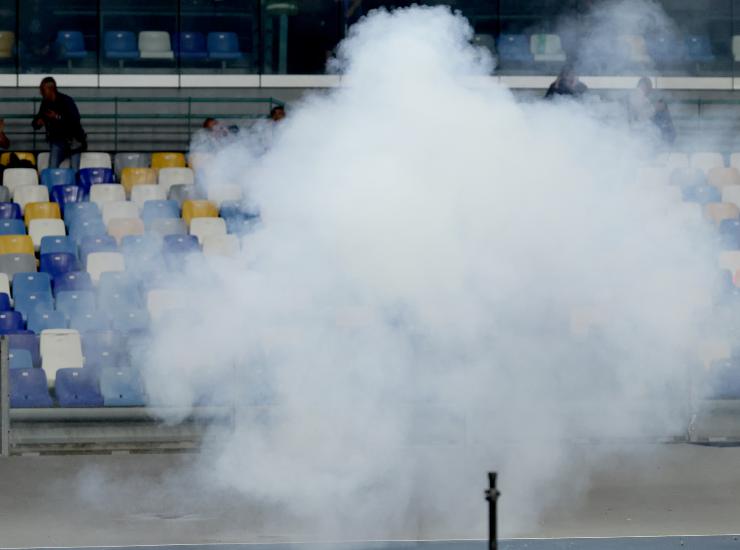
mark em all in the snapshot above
pixel 640 105
pixel 566 84
pixel 662 119
pixel 214 128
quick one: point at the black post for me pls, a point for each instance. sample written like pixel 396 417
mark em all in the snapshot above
pixel 492 495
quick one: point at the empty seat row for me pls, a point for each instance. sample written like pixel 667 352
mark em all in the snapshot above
pixel 219 46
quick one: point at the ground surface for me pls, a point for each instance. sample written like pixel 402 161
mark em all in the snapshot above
pixel 70 501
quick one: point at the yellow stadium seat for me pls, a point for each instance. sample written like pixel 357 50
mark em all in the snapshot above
pixel 41 210
pixel 168 160
pixel 198 209
pixel 16 244
pixel 7 43
pixel 22 155
pixel 137 176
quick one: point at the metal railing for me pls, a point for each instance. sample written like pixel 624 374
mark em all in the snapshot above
pixel 113 123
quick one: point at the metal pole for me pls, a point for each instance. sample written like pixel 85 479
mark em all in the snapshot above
pixel 492 495
pixel 4 399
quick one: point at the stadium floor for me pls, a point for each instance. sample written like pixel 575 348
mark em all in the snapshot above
pixel 686 495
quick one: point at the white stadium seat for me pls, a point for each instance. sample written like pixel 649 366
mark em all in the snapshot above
pixel 162 300
pixel 102 262
pixel 43 227
pixel 119 209
pixel 731 194
pixel 155 45
pixel 706 161
pixel 60 349
pixel 13 178
pixel 203 227
pixel 546 48
pixel 101 193
pixel 5 283
pixel 175 176
pixel 95 160
pixel 147 192
pixel 221 193
pixel 30 193
pixel 220 245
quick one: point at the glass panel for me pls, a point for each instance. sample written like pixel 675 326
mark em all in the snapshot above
pixel 136 36
pixel 58 36
pixel 300 36
pixel 8 42
pixel 219 37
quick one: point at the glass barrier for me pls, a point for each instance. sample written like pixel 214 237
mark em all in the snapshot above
pixel 528 37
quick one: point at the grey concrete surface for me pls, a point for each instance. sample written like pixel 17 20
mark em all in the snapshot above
pixel 152 499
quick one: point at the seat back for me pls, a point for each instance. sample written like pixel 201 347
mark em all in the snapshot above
pixel 78 387
pixel 30 193
pixel 198 209
pixel 191 43
pixel 130 160
pixel 122 387
pixel 29 389
pixel 147 192
pixel 56 263
pixel 100 262
pixel 136 176
pixel 204 227
pixel 16 244
pixel 155 44
pixel 67 194
pixel 70 41
pixel 13 178
pixel 167 160
pixel 119 42
pixel 57 176
pixel 36 210
pixel 222 42
pixel 11 264
pixel 12 227
pixel 40 320
pixel 42 228
pixel 107 192
pixel 94 159
pixel 59 243
pixel 10 210
pixel 7 44
pixel 119 209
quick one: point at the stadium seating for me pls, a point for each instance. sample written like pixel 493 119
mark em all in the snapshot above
pixel 706 161
pixel 67 194
pixel 16 263
pixel 42 162
pixel 198 209
pixel 119 228
pixel 162 301
pixel 42 228
pixel 71 45
pixel 167 226
pixel 71 281
pixel 38 210
pixel 87 177
pixel 99 243
pixel 57 176
pixel 719 211
pixel 16 244
pixel 666 50
pixel 155 45
pixel 28 302
pixel 167 160
pixel 701 193
pixel 78 387
pixel 223 46
pixel 91 159
pixel 50 245
pixel 220 245
pixel 26 340
pixel 182 192
pixel 546 48
pixel 12 227
pixel 514 48
pixel 168 177
pixel 101 262
pixel 129 319
pixel 10 210
pixel 30 281
pixel 130 160
pixel 5 304
pixel 699 49
pixel 102 349
pixel 39 320
pixel 60 349
pixel 137 176
pixel 147 192
pixel 120 45
pixel 122 388
pixel 57 263
pixel 20 155
pixel 4 195
pixel 205 227
pixel 31 194
pixel 222 193
pixel 119 209
pixel 107 192
pixel 191 46
pixel 75 302
pixel 20 359
pixel 13 178
pixel 10 321
pixel 29 388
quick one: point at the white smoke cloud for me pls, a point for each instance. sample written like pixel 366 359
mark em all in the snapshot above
pixel 412 309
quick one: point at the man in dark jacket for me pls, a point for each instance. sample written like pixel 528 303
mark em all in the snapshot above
pixel 58 114
pixel 567 84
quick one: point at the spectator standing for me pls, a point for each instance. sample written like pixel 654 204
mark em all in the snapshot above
pixel 645 110
pixel 59 116
pixel 566 84
pixel 277 113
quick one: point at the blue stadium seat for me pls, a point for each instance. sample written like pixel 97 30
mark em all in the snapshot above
pixel 223 46
pixel 67 194
pixel 33 301
pixel 117 289
pixel 5 302
pixel 122 387
pixel 58 262
pixel 72 281
pixel 702 194
pixel 180 244
pixel 153 210
pixel 57 176
pixel 12 227
pixel 29 388
pixel 30 282
pixel 78 388
pixel 514 47
pixel 729 233
pixel 235 218
pixel 71 45
pixel 686 177
pixel 121 45
pixel 39 320
pixel 665 50
pixel 102 349
pixel 52 244
pixel 100 243
pixel 20 359
pixel 81 229
pixel 27 340
pixel 75 302
pixel 87 177
pixel 89 321
pixel 81 211
pixel 10 321
pixel 190 46
pixel 10 211
pixel 699 49
pixel 129 319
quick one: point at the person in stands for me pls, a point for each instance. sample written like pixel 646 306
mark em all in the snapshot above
pixel 566 84
pixel 277 113
pixel 4 140
pixel 59 116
